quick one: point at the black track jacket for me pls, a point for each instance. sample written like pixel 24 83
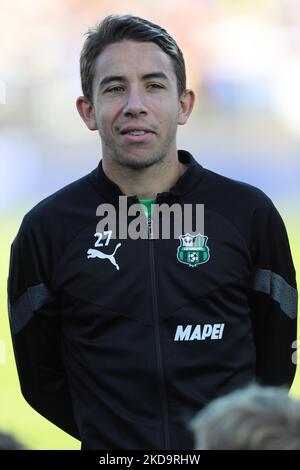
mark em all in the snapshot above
pixel 121 345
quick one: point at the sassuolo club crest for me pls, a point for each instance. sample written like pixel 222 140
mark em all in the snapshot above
pixel 193 250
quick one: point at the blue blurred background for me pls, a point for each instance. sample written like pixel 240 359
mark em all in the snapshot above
pixel 243 62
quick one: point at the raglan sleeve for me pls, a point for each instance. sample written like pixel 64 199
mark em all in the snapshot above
pixel 36 333
pixel 273 298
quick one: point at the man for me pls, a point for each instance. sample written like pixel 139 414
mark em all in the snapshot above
pixel 120 340
pixel 254 418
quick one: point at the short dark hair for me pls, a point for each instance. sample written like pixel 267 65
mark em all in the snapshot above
pixel 117 28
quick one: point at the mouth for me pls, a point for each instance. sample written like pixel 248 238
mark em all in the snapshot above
pixel 137 134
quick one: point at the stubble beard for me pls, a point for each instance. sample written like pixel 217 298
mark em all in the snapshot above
pixel 126 161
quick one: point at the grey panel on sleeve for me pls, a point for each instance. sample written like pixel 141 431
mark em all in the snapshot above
pixel 278 289
pixel 21 311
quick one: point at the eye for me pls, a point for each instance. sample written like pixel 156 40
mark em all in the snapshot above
pixel 155 86
pixel 114 89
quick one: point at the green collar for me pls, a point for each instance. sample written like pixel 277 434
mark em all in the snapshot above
pixel 147 204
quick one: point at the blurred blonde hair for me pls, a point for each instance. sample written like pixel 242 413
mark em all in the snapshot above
pixel 254 418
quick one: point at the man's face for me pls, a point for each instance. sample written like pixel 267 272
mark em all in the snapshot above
pixel 136 103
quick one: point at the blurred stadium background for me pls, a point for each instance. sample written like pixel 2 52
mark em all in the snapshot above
pixel 243 61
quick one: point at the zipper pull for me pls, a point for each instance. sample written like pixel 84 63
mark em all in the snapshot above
pixel 149 227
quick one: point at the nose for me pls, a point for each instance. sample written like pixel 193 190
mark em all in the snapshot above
pixel 135 104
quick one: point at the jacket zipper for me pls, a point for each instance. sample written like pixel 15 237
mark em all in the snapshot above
pixel 162 389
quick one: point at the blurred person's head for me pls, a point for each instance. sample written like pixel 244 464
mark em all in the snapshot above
pixel 117 28
pixel 9 442
pixel 254 418
pixel 134 92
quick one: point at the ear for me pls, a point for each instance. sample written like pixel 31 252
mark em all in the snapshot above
pixel 87 113
pixel 186 104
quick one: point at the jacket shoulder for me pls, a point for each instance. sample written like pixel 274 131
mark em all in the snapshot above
pixel 246 207
pixel 62 199
pixel 238 191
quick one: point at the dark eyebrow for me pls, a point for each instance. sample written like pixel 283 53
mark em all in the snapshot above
pixel 111 78
pixel 150 75
pixel 120 78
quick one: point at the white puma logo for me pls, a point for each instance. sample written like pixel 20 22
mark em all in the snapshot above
pixel 92 253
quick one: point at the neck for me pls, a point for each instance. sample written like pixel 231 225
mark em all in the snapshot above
pixel 147 182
